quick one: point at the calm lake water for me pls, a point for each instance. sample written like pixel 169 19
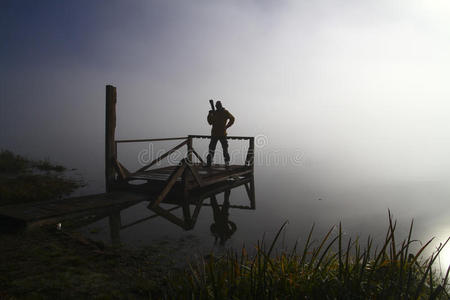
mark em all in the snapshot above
pixel 295 189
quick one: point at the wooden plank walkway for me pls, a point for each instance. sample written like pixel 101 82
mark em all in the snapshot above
pixel 215 179
pixel 31 214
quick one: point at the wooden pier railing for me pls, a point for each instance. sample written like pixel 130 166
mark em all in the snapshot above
pixel 201 175
pixel 188 142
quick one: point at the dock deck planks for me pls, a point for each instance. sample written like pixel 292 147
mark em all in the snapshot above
pixel 30 213
pixel 208 175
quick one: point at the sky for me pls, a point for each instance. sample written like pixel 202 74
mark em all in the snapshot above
pixel 359 85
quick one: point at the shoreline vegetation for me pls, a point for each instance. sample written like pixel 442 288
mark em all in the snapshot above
pixel 389 271
pixel 49 264
pixel 26 180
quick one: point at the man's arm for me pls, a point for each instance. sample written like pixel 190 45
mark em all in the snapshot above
pixel 210 118
pixel 230 120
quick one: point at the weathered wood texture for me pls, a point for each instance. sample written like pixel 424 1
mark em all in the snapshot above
pixel 203 174
pixel 170 183
pixel 190 149
pixel 249 161
pixel 57 210
pixel 110 128
pixel 150 140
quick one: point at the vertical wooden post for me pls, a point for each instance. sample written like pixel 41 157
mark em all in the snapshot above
pixel 226 197
pixel 252 193
pixel 250 152
pixel 189 148
pixel 110 129
pixel 185 200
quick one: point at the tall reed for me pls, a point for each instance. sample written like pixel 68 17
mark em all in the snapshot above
pixel 331 270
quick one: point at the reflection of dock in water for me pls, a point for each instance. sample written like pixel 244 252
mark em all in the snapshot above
pixel 197 200
pixel 190 209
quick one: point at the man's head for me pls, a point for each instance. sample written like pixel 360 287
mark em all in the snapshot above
pixel 219 105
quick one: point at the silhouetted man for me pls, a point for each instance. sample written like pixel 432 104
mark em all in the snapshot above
pixel 220 119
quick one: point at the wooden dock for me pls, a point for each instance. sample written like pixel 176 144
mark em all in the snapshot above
pixel 38 213
pixel 187 176
pixel 183 181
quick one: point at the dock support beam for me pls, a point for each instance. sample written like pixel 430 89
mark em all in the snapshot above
pixel 110 129
pixel 189 150
pixel 249 161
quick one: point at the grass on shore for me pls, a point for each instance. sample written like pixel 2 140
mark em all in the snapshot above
pixel 50 264
pixel 391 271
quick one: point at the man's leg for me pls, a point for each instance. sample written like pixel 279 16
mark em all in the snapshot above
pixel 226 155
pixel 212 148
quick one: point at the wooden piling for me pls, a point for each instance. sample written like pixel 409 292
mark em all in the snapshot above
pixel 189 149
pixel 110 128
pixel 249 161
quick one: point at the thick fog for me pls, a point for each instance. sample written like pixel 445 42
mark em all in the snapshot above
pixel 360 86
pixel 348 99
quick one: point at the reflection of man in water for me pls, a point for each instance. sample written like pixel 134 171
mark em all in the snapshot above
pixel 222 228
pixel 220 119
